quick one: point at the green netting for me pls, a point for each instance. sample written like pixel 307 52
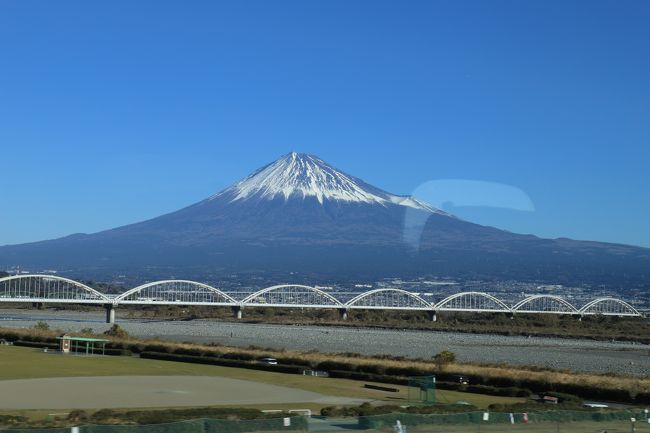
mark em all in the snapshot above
pixel 555 418
pixel 191 426
pixel 260 425
pixel 422 389
pixel 36 430
pixel 552 421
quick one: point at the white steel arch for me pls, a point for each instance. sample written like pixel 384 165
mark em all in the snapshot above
pixel 48 288
pixel 394 299
pixel 175 292
pixel 473 302
pixel 609 307
pixel 292 295
pixel 544 304
pixel 34 288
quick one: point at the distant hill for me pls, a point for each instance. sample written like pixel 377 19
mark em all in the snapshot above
pixel 300 214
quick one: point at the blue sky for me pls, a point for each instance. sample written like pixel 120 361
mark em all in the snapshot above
pixel 114 112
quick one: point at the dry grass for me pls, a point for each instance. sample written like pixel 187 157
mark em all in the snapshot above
pixel 602 381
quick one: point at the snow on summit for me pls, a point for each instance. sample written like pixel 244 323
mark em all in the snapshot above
pixel 299 175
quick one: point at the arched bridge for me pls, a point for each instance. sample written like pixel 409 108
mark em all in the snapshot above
pixel 41 289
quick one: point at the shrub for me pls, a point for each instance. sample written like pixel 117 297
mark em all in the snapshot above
pixel 407 371
pixel 77 415
pixel 564 397
pixel 295 361
pixel 9 335
pixel 160 348
pixel 291 369
pixel 368 409
pixel 503 392
pixel 444 358
pixel 355 375
pixel 103 415
pixel 239 356
pixel 642 398
pixel 339 411
pixel 372 368
pixel 41 326
pixel 334 365
pixel 114 352
pixel 136 347
pixel 12 419
pixel 117 331
pixel 451 386
pixel 37 344
pixel 188 351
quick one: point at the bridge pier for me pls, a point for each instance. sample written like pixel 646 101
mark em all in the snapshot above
pixel 110 313
pixel 433 317
pixel 237 312
pixel 343 313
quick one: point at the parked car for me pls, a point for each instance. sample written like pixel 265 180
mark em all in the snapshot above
pixel 463 380
pixel 269 361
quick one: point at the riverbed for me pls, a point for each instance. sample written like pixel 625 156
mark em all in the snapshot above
pixel 558 353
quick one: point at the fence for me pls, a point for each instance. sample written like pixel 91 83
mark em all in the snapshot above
pixel 534 422
pixel 287 424
pixel 467 422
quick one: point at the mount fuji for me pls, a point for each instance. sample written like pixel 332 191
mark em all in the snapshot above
pixel 301 215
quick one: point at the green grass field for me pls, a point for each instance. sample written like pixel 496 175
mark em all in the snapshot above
pixel 28 363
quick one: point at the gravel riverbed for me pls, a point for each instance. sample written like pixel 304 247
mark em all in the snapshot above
pixel 573 354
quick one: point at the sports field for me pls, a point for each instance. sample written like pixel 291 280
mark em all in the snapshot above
pixel 213 385
pixel 152 391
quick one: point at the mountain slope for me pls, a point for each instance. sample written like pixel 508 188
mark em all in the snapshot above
pixel 301 214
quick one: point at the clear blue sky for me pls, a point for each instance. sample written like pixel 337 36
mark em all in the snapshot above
pixel 113 112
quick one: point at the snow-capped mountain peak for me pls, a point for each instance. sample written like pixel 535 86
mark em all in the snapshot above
pixel 299 175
